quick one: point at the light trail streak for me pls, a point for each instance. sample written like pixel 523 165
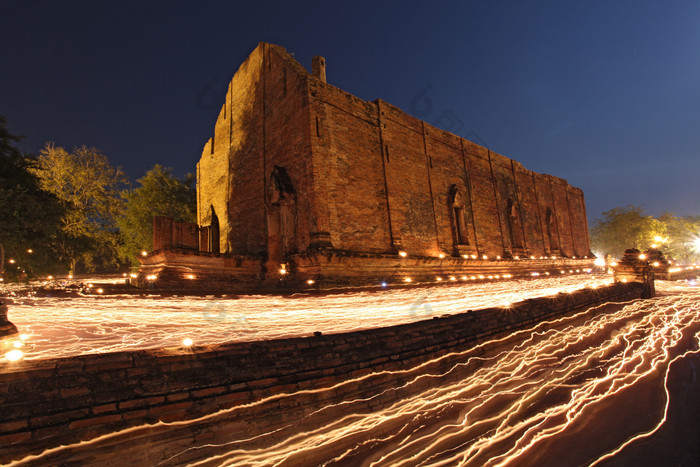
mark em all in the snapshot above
pixel 532 390
pixel 63 327
pixel 547 388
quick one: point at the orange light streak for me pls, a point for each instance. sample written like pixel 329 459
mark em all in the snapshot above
pixel 63 327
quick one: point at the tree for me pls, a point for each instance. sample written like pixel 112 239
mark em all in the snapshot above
pixel 29 216
pixel 160 194
pixel 623 228
pixel 88 187
pixel 683 235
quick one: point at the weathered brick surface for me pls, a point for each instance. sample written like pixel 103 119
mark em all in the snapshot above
pixel 168 234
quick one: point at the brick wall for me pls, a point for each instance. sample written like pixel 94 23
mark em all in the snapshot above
pixel 52 402
pixel 168 234
pixel 367 177
pixel 388 176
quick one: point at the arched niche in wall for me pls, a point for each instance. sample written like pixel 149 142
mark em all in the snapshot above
pixel 552 231
pixel 458 217
pixel 281 215
pixel 514 225
pixel 214 233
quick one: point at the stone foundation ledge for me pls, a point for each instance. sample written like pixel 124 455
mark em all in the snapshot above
pixel 179 270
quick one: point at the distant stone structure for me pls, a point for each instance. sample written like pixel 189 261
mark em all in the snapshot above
pixel 659 263
pixel 635 267
pixel 304 183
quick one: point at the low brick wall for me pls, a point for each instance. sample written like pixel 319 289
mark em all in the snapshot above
pixel 200 272
pixel 677 274
pixel 337 268
pixel 53 402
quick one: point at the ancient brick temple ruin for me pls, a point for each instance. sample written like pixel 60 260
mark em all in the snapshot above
pixel 303 184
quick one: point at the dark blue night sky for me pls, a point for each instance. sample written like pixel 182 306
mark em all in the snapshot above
pixel 604 94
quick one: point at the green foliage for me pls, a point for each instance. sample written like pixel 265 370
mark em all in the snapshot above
pixel 683 236
pixel 159 194
pixel 629 227
pixel 29 216
pixel 623 228
pixel 88 187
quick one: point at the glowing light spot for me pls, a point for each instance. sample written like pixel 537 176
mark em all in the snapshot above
pixel 144 253
pixel 441 255
pixel 18 344
pixel 498 257
pixel 133 275
pixel 100 291
pixel 453 278
pixel 310 282
pixel 14 355
pixel 11 261
pixel 283 271
pixel 70 276
pixel 50 278
pixel 465 256
pixel 599 262
pixel 187 342
pixel 24 337
pixel 384 284
pixel 473 277
pixel 532 257
pixel 403 254
pixel 481 276
pixel 190 276
pixel 464 278
pixel 407 279
pixel 642 256
pixel 534 274
pixel 485 257
pixel 654 245
pixel 439 279
pixel 473 256
pixel 150 277
pixel 30 251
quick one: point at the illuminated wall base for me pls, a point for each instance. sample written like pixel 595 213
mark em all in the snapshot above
pixel 184 270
